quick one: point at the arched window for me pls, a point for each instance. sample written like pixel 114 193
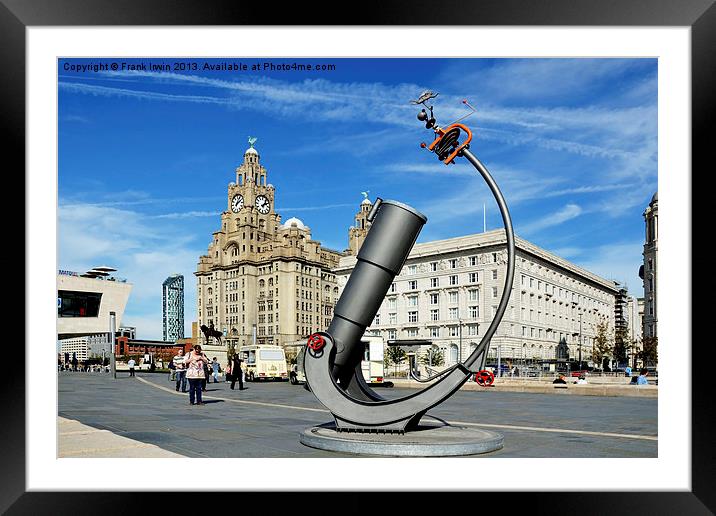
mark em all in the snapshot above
pixel 453 353
pixel 262 283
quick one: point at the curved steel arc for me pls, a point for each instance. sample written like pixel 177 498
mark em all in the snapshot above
pixel 398 413
pixel 509 233
pixel 334 373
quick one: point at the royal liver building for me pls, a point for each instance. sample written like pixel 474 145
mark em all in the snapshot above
pixel 261 280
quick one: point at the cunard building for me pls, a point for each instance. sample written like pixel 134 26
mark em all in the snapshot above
pixel 449 290
pixel 262 280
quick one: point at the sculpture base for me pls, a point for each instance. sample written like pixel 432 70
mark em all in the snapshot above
pixel 430 439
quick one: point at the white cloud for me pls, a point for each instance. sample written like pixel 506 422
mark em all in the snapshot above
pixel 143 252
pixel 568 212
pixel 619 262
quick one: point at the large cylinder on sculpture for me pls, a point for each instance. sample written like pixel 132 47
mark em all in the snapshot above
pixel 395 227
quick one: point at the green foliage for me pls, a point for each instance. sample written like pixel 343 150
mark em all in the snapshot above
pixel 602 346
pixel 395 355
pixel 433 357
pixel 649 351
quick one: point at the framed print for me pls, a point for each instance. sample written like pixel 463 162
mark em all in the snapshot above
pixel 132 117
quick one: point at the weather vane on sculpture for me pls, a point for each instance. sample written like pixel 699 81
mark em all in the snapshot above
pixel 252 140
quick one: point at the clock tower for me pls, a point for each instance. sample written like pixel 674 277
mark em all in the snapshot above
pixel 261 281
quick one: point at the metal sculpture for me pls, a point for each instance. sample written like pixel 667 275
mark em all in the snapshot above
pixel 209 332
pixel 332 360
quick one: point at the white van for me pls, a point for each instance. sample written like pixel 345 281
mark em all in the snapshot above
pixel 264 362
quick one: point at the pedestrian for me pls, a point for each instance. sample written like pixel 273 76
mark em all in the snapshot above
pixel 195 362
pixel 641 380
pixel 227 370
pixel 180 370
pixel 236 372
pixel 131 365
pixel 581 380
pixel 206 375
pixel 627 371
pixel 560 379
pixel 172 370
pixel 216 367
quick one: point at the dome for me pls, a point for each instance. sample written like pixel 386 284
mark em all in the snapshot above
pixel 655 198
pixel 270 186
pixel 366 201
pixel 251 150
pixel 290 222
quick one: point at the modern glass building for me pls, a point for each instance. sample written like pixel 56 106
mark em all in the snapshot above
pixel 173 307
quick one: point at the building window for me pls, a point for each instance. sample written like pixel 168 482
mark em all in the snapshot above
pixel 453 279
pixel 412 300
pixel 453 353
pixel 473 277
pixel 376 321
pixel 453 263
pixel 452 297
pixel 391 303
pixel 434 298
pixel 494 274
pixel 473 330
pixel 434 332
pixel 412 317
pixel 392 334
pixel 452 313
pixel 454 331
pixel 413 285
pixel 411 332
pixel 412 269
pixel 494 292
pixel 433 266
pixel 473 294
pixel 473 261
pixel 434 282
pixel 78 304
pixel 435 315
pixel 392 318
pixel 474 311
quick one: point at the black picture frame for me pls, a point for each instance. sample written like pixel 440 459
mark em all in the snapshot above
pixel 699 15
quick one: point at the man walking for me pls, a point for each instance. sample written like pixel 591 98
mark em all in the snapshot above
pixel 236 373
pixel 131 365
pixel 216 369
pixel 180 370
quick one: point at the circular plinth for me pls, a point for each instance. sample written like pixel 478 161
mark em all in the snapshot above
pixel 430 439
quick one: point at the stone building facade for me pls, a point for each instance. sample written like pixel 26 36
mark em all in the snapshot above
pixel 648 272
pixel 262 280
pixel 449 290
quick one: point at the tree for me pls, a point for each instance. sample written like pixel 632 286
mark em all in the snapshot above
pixel 621 343
pixel 395 355
pixel 649 353
pixel 601 347
pixel 433 357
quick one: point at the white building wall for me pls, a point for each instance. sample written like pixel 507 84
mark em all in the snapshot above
pixel 547 298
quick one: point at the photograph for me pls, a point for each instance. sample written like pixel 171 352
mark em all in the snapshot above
pixel 357 257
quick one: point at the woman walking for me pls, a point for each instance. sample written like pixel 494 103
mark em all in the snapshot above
pixel 194 364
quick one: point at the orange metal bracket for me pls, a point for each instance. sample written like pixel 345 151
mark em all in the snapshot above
pixel 441 132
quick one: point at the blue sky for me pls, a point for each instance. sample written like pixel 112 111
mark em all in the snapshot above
pixel 145 157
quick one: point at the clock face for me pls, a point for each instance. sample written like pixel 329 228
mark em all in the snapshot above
pixel 262 204
pixel 237 202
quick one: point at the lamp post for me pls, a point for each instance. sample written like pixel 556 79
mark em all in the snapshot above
pixel 580 341
pixel 459 347
pixel 112 326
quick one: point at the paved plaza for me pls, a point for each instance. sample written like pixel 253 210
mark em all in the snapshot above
pixel 265 420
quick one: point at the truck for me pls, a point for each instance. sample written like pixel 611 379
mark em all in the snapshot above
pixel 372 365
pixel 264 362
